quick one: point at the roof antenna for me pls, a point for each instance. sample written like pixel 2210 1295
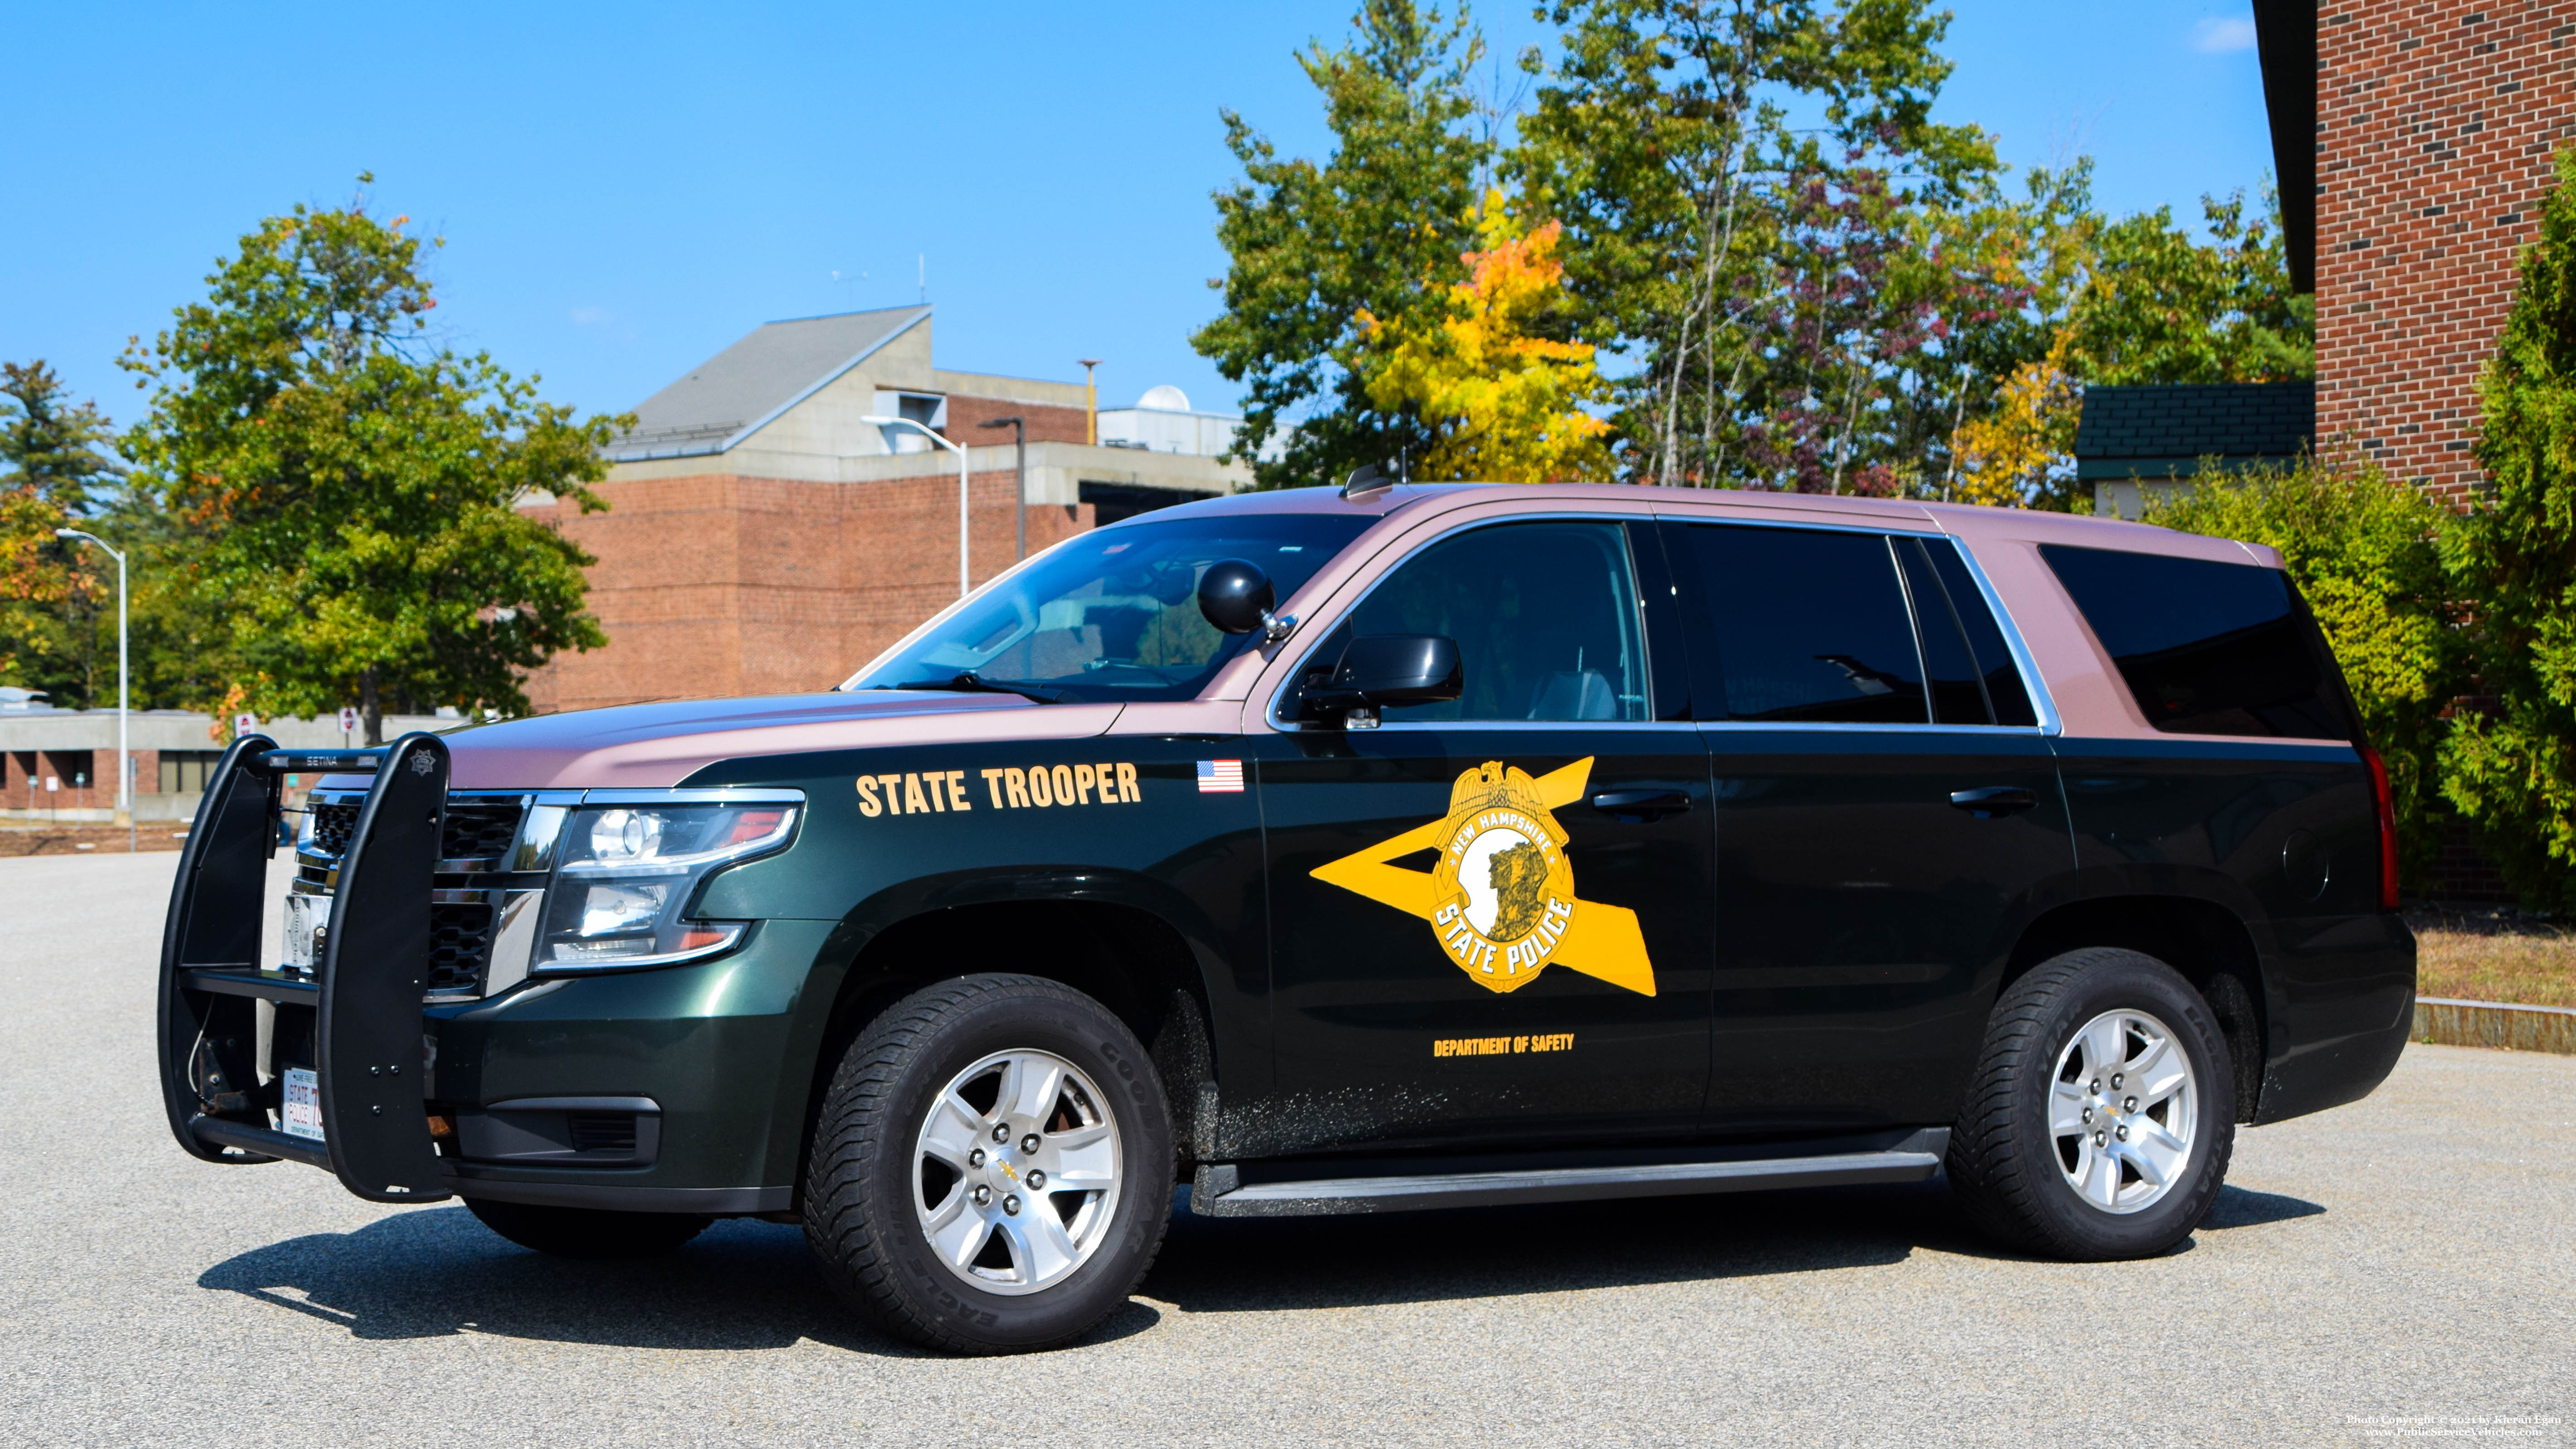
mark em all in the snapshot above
pixel 1366 483
pixel 922 260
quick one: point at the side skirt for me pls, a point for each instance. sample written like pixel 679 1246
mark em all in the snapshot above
pixel 1219 1192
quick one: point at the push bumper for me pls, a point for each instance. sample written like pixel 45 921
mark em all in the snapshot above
pixel 655 1090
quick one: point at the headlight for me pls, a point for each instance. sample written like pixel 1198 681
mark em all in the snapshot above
pixel 628 872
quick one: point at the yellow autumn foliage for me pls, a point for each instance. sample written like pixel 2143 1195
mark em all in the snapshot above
pixel 1507 402
pixel 2005 457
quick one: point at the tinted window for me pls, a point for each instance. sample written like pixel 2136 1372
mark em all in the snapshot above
pixel 1958 695
pixel 1544 615
pixel 1114 614
pixel 1811 627
pixel 2207 648
pixel 2004 691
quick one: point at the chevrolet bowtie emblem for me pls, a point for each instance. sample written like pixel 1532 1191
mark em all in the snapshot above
pixel 1501 897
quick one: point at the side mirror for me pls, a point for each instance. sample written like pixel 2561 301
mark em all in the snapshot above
pixel 1235 596
pixel 1377 670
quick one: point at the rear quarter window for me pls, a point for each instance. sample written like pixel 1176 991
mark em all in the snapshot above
pixel 2208 648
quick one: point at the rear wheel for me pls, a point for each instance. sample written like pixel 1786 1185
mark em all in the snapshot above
pixel 2101 1116
pixel 992 1168
pixel 568 1232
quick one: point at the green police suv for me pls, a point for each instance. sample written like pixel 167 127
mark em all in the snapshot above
pixel 1342 852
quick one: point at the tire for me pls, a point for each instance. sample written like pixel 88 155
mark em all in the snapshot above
pixel 596 1233
pixel 2071 1185
pixel 905 1141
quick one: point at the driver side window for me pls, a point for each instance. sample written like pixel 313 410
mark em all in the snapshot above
pixel 1544 615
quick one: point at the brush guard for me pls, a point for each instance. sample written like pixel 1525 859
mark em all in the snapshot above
pixel 364 997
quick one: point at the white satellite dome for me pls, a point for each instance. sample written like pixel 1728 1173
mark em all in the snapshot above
pixel 1165 399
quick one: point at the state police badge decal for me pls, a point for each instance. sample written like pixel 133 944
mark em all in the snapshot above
pixel 1500 898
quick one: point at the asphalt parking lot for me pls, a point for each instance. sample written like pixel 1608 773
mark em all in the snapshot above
pixel 2400 1266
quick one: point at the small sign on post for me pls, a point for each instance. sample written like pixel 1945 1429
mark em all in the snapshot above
pixel 348 724
pixel 243 724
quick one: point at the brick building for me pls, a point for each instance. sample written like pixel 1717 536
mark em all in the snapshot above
pixel 763 537
pixel 2435 123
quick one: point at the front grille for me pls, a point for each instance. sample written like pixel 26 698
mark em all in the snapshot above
pixel 333 827
pixel 460 944
pixel 479 830
pixel 603 1131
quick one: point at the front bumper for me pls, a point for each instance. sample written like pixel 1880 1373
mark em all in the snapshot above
pixel 663 1088
pixel 706 1044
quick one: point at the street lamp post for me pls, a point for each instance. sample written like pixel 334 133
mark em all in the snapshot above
pixel 1019 471
pixel 885 422
pixel 124 759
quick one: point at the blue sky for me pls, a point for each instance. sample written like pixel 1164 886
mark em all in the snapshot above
pixel 626 190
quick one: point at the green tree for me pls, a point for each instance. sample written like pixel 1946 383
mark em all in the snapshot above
pixel 2159 307
pixel 2363 550
pixel 1790 293
pixel 2512 769
pixel 353 486
pixel 1376 229
pixel 56 467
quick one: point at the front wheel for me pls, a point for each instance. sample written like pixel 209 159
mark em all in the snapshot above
pixel 2102 1112
pixel 992 1168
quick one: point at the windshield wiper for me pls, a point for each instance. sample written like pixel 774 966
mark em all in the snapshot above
pixel 972 683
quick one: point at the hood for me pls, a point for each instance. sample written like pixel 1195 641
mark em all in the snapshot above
pixel 655 746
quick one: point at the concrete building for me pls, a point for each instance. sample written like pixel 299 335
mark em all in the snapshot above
pixel 58 766
pixel 762 538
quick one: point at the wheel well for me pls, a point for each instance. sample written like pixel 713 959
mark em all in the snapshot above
pixel 2204 941
pixel 1128 960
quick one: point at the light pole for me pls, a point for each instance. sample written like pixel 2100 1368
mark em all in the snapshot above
pixel 1090 399
pixel 885 422
pixel 124 760
pixel 1019 471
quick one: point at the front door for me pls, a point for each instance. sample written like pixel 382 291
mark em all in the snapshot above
pixel 1490 916
pixel 1885 803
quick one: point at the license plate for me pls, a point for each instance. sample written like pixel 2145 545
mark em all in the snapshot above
pixel 301 1115
pixel 308 920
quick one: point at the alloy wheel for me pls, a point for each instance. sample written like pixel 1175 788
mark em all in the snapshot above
pixel 1016 1172
pixel 2123 1111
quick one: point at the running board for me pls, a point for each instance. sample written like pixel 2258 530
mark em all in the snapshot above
pixel 1219 1192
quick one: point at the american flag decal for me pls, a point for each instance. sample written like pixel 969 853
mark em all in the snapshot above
pixel 1220 777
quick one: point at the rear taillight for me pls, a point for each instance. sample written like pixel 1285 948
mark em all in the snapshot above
pixel 2384 811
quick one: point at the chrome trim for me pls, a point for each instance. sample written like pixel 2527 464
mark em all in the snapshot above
pixel 1216 1192
pixel 687 797
pixel 514 941
pixel 2033 683
pixel 539 830
pixel 1636 588
pixel 1851 727
pixel 1625 725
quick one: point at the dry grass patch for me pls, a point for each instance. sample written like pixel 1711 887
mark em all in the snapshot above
pixel 2499 955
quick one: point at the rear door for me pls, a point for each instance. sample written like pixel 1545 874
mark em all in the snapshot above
pixel 1490 917
pixel 1883 803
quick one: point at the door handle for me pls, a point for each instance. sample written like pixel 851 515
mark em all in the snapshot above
pixel 1635 806
pixel 1994 800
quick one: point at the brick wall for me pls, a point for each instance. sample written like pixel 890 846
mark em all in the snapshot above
pixel 2435 126
pixel 718 584
pixel 1047 424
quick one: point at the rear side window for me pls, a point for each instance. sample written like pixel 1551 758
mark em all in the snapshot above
pixel 2001 678
pixel 1811 627
pixel 2207 648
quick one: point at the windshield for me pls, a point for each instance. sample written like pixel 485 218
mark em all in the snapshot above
pixel 1114 615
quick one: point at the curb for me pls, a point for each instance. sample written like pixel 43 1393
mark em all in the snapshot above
pixel 2495 1024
